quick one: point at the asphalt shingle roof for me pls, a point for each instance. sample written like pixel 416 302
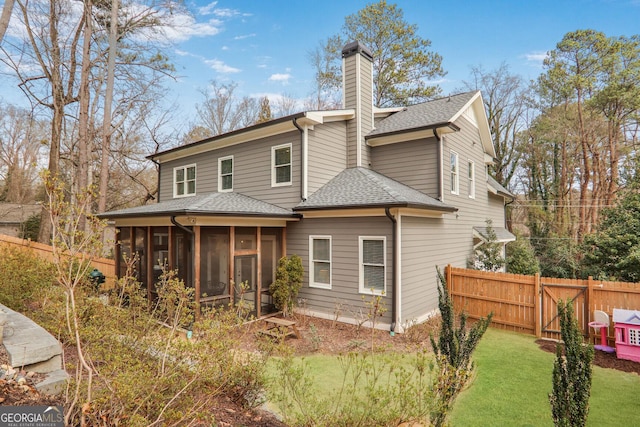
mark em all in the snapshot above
pixel 205 204
pixel 361 187
pixel 430 113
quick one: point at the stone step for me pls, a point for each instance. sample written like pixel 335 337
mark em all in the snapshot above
pixel 54 383
pixel 30 345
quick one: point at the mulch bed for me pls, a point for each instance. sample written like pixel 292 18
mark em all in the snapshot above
pixel 602 359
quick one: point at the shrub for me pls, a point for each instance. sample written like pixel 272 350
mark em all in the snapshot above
pixel 453 353
pixel 572 372
pixel 521 258
pixel 287 284
pixel 23 277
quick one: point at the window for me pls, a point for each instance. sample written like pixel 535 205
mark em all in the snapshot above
pixel 455 185
pixel 372 265
pixel 184 181
pixel 225 174
pixel 472 180
pixel 320 262
pixel 281 165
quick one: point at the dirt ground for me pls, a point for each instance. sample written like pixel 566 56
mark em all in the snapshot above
pixel 317 336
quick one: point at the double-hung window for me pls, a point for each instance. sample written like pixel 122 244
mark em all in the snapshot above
pixel 472 180
pixel 320 260
pixel 184 181
pixel 225 174
pixel 372 254
pixel 455 176
pixel 281 165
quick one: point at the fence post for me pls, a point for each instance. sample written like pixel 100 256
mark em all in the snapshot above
pixel 590 307
pixel 448 274
pixel 537 297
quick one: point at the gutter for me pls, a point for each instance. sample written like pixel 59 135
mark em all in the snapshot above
pixel 394 304
pixel 303 154
pixel 440 149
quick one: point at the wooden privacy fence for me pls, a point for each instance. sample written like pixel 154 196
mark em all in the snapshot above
pixel 105 265
pixel 528 304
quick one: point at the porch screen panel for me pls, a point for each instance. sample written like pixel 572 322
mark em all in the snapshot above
pixel 214 261
pixel 246 238
pixel 141 252
pixel 124 240
pixel 160 252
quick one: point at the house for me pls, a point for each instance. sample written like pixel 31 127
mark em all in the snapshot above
pixel 372 200
pixel 14 215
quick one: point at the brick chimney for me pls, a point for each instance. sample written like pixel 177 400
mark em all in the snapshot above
pixel 357 93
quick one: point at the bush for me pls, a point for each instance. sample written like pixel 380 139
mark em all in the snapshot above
pixel 572 372
pixel 23 277
pixel 287 284
pixel 521 258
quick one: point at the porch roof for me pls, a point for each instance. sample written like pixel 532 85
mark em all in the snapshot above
pixel 210 204
pixel 363 188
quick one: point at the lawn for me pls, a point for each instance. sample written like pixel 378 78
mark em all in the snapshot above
pixel 513 380
pixel 511 385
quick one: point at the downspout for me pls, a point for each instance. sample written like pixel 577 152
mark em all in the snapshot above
pixel 303 153
pixel 394 263
pixel 439 155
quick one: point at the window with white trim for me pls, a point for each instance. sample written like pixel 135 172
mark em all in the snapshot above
pixel 225 174
pixel 372 257
pixel 281 165
pixel 455 179
pixel 184 181
pixel 320 260
pixel 472 180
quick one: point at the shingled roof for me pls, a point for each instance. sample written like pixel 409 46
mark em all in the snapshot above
pixel 438 112
pixel 232 204
pixel 364 188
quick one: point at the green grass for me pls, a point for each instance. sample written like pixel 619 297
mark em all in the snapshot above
pixel 511 386
pixel 513 380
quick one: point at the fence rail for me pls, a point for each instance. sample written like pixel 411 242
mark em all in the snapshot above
pixel 528 304
pixel 105 265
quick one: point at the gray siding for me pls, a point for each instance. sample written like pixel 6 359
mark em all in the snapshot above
pixel 327 153
pixel 251 171
pixel 364 106
pixel 344 234
pixel 413 163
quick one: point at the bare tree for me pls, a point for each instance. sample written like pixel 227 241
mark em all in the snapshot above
pixel 223 111
pixel 7 9
pixel 21 138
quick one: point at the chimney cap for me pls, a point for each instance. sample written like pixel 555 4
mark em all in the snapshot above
pixel 356 47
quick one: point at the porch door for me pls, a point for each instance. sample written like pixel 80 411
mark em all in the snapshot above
pixel 246 282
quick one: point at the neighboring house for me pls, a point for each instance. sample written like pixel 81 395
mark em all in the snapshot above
pixel 372 200
pixel 14 215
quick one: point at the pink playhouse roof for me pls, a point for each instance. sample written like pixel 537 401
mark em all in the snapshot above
pixel 631 317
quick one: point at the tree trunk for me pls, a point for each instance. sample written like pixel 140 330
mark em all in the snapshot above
pixel 7 9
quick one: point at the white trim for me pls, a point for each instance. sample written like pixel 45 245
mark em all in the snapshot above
pixel 358 111
pixel 471 178
pixel 273 165
pixel 312 281
pixel 398 273
pixel 455 184
pixel 175 183
pixel 305 162
pixel 220 160
pixel 361 287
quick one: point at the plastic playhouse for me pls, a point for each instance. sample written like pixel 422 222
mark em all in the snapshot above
pixel 601 324
pixel 627 324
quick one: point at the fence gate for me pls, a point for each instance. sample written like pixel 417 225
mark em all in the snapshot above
pixel 551 293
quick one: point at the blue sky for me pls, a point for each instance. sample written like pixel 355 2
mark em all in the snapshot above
pixel 263 45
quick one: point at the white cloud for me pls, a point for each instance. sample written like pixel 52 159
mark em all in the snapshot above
pixel 245 36
pixel 279 77
pixel 535 57
pixel 221 12
pixel 221 67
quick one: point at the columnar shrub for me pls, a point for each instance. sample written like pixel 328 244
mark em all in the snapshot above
pixel 287 284
pixel 572 372
pixel 453 350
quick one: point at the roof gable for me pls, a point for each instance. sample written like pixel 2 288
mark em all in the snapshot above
pixel 363 188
